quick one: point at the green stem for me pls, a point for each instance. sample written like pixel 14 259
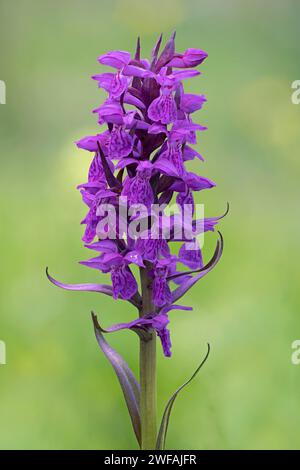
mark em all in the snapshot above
pixel 147 373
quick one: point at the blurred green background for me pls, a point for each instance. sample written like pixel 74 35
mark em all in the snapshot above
pixel 57 390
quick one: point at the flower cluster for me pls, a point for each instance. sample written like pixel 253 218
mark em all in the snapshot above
pixel 140 157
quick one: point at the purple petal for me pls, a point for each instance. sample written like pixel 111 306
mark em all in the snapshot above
pixel 96 263
pixel 135 258
pixel 115 84
pixel 190 103
pixel 134 71
pixel 166 167
pixel 169 308
pixel 175 156
pixel 164 336
pixel 134 101
pixel 197 183
pixel 190 58
pixel 160 322
pixel 183 74
pixel 163 109
pixel 126 161
pixel 161 294
pixel 115 59
pixel 121 143
pixel 151 249
pixel 124 283
pixel 104 80
pixel 190 255
pixel 190 153
pixel 90 142
pixel 157 129
pixel 210 222
pixel 104 246
pixel 110 111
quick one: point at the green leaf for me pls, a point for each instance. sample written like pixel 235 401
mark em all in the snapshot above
pixel 161 439
pixel 128 382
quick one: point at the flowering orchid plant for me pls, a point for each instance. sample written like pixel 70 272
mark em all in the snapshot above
pixel 138 167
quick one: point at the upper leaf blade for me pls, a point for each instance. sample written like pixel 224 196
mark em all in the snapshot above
pixel 161 438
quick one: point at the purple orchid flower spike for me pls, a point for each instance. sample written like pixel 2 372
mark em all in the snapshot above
pixel 138 167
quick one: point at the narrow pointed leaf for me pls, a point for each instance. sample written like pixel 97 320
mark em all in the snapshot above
pixel 130 386
pixel 102 288
pixel 161 438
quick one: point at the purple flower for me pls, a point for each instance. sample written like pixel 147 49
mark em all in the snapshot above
pixel 138 189
pixel 190 103
pixel 122 61
pixel 123 282
pixel 164 109
pixel 121 143
pixel 157 321
pixel 190 58
pixel 152 249
pixel 190 255
pixel 115 59
pixel 90 142
pixel 114 84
